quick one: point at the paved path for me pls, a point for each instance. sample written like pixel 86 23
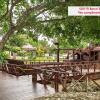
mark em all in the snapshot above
pixel 20 88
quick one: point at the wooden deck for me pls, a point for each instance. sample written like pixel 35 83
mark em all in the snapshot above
pixel 20 88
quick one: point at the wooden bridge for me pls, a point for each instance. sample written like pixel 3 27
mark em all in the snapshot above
pixel 86 64
pixel 56 72
pixel 62 73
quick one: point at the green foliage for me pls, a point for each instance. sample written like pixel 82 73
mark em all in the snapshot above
pixel 2 6
pixel 21 53
pixel 40 50
pixel 17 40
pixel 51 19
pixel 14 49
pixel 3 56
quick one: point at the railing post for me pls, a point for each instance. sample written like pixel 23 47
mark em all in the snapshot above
pixel 81 69
pixel 94 68
pixel 88 67
pixel 34 76
pixel 56 83
pixel 58 53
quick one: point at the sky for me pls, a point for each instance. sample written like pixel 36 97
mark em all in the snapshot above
pixel 42 37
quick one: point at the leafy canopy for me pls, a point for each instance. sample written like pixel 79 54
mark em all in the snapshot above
pixel 48 17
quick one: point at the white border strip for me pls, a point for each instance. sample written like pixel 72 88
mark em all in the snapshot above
pixel 83 10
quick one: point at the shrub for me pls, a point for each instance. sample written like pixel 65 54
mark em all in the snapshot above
pixel 3 56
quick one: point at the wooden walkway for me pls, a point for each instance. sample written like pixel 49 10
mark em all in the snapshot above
pixel 20 88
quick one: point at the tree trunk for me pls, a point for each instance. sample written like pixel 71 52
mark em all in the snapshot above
pixel 6 37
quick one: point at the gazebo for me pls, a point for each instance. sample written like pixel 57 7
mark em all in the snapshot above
pixel 28 47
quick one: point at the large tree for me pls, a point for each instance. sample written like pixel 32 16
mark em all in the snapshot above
pixel 48 17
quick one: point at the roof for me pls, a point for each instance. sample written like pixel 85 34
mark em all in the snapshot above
pixel 28 47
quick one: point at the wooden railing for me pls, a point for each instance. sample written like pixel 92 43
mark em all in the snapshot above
pixel 82 66
pixel 58 73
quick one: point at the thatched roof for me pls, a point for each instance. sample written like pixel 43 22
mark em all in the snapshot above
pixel 29 47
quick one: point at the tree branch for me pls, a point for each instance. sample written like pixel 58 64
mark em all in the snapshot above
pixel 52 20
pixel 22 20
pixel 11 14
pixel 7 11
pixel 6 37
pixel 20 23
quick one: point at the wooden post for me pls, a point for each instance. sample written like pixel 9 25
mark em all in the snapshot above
pixel 68 55
pixel 88 67
pixel 57 44
pixel 81 55
pixel 34 76
pixel 81 69
pixel 56 83
pixel 58 52
pixel 94 67
pixel 73 55
pixel 87 82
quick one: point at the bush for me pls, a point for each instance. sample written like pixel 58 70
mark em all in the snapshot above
pixel 3 56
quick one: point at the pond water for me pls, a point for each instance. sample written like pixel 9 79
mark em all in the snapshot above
pixel 21 88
